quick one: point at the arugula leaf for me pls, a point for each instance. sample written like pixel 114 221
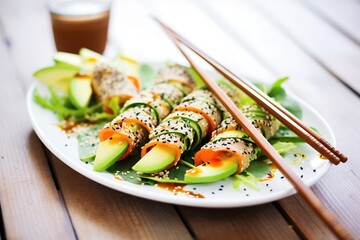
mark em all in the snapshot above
pixel 283 147
pixel 147 75
pixel 114 105
pixel 258 169
pixel 285 135
pixel 279 94
pixel 62 107
pixel 276 90
pixel 247 179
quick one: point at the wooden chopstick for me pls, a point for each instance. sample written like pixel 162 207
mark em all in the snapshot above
pixel 283 115
pixel 329 219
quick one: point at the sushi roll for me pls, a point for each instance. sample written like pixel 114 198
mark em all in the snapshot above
pixel 109 82
pixel 230 149
pixel 192 120
pixel 140 115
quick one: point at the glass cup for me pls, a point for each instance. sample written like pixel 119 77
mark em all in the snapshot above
pixel 80 23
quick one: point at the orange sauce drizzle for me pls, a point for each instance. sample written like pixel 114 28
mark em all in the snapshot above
pixel 68 126
pixel 270 174
pixel 322 157
pixel 194 171
pixel 178 188
pixel 117 177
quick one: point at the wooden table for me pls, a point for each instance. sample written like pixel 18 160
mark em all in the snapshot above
pixel 316 43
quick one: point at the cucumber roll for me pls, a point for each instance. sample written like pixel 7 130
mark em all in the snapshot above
pixel 109 82
pixel 191 121
pixel 140 115
pixel 230 149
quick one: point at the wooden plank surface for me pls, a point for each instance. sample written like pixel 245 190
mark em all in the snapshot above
pixel 311 82
pixel 343 15
pixel 235 33
pixel 30 204
pixel 333 50
pixel 260 222
pixel 98 212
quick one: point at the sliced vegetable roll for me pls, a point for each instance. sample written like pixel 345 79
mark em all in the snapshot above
pixel 230 149
pixel 140 115
pixel 109 82
pixel 191 121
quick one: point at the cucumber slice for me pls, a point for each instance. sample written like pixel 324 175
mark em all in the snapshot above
pixel 232 134
pixel 197 134
pixel 156 160
pixel 108 152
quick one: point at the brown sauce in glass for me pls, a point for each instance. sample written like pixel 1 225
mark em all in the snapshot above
pixel 72 31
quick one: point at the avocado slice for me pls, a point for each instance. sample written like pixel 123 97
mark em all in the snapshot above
pixel 90 58
pixel 89 55
pixel 156 160
pixel 67 59
pixel 80 91
pixel 57 76
pixel 108 152
pixel 208 173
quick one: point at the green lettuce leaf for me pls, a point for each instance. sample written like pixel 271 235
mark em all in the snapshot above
pixel 147 76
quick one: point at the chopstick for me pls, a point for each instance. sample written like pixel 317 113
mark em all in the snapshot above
pixel 288 119
pixel 309 196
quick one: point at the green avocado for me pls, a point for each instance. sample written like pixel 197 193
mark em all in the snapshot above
pixel 108 152
pixel 207 173
pixel 80 91
pixel 67 59
pixel 156 160
pixel 57 76
pixel 89 55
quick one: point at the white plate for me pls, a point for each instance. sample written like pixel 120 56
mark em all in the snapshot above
pixel 220 194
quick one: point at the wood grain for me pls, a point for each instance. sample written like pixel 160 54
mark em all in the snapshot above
pixel 342 15
pixel 29 200
pixel 98 212
pixel 313 83
pixel 261 51
pixel 238 223
pixel 333 50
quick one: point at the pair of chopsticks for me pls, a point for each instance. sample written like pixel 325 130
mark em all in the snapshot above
pixel 283 115
pixel 311 137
